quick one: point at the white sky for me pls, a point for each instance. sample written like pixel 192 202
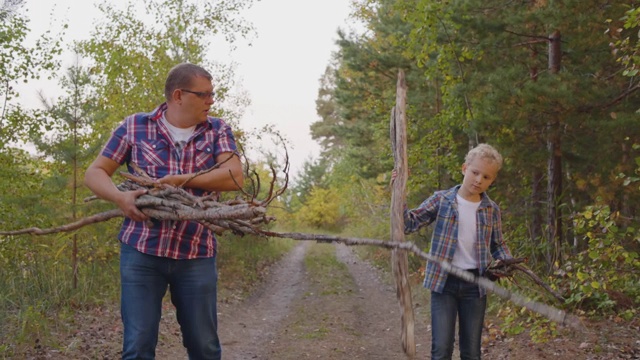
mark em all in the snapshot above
pixel 280 71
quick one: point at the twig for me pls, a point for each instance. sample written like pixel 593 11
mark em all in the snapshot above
pixel 217 165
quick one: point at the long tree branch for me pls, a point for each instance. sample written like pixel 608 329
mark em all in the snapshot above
pixel 550 312
pixel 244 227
pixel 104 216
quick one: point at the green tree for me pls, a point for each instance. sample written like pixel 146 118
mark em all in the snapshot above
pixel 131 55
pixel 21 62
pixel 479 71
pixel 494 60
pixel 358 95
pixel 68 144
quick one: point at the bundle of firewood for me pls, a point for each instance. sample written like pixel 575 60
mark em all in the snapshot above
pixel 243 215
pixel 165 202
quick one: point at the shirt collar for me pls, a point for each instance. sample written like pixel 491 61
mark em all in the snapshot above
pixel 485 201
pixel 158 112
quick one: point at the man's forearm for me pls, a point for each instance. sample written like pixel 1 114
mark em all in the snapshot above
pixel 224 179
pixel 100 183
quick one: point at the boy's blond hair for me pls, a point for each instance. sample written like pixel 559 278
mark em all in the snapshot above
pixel 484 151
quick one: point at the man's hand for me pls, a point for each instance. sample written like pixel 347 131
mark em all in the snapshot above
pixel 173 180
pixel 127 203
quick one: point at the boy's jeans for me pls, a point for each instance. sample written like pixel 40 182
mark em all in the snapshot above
pixel 458 298
pixel 192 283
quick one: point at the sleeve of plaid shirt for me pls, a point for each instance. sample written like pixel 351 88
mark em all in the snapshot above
pixel 498 249
pixel 423 215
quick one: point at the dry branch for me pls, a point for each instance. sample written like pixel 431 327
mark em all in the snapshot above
pixel 550 312
pixel 107 215
pixel 399 259
pixel 253 227
pixel 248 216
pixel 507 268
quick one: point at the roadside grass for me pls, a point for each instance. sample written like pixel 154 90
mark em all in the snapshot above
pixel 38 300
pixel 326 271
pixel 329 281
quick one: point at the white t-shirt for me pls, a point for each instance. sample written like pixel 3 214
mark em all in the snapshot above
pixel 465 255
pixel 179 135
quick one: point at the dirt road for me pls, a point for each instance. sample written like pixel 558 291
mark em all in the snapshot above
pixel 321 301
pixel 297 316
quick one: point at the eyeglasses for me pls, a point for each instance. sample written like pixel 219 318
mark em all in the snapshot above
pixel 200 94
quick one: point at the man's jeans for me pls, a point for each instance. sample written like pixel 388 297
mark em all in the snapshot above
pixel 461 298
pixel 192 283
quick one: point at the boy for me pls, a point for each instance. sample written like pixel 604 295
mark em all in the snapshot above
pixel 468 234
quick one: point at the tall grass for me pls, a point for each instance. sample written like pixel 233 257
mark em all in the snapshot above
pixel 38 299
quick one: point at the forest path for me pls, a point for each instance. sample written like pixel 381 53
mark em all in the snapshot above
pixel 321 301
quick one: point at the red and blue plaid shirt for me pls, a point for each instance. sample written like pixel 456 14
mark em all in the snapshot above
pixel 442 208
pixel 144 140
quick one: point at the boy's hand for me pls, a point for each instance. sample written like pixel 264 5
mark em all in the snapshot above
pixel 497 270
pixel 394 175
pixel 501 268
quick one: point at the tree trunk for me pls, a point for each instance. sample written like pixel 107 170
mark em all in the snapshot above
pixel 74 205
pixel 535 213
pixel 399 261
pixel 554 189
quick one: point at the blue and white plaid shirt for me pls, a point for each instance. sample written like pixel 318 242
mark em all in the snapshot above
pixel 441 207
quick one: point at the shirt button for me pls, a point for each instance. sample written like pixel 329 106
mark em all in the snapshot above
pixel 208 149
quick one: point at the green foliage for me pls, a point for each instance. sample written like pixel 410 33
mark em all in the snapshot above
pixel 132 55
pixel 21 178
pixel 312 175
pixel 20 62
pixel 322 210
pixel 517 321
pixel 627 40
pixel 599 279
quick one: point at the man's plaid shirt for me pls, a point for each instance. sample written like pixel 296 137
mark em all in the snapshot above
pixel 441 207
pixel 144 140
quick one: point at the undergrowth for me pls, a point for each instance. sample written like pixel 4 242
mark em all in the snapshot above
pixel 38 300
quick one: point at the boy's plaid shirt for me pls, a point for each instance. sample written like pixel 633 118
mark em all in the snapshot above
pixel 441 207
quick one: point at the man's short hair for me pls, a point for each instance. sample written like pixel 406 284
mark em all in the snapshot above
pixel 181 75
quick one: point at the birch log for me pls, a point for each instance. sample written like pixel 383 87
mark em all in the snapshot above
pixel 399 261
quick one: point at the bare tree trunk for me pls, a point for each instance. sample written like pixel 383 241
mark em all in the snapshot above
pixel 399 261
pixel 537 198
pixel 625 208
pixel 535 227
pixel 74 199
pixel 554 189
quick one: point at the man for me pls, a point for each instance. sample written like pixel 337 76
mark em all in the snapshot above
pixel 171 144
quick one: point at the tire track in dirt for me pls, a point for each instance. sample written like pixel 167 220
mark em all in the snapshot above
pixel 246 329
pixel 382 320
pixel 293 317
